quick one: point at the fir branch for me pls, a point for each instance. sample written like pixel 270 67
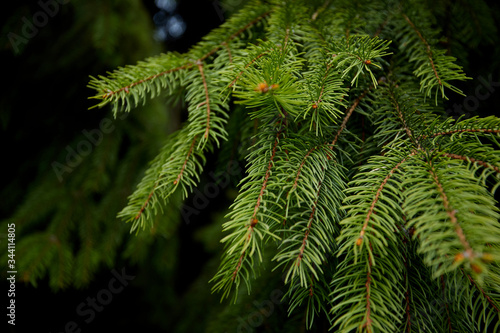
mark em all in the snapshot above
pixel 266 178
pixel 420 290
pixel 248 224
pixel 246 66
pixel 302 252
pixel 464 222
pixel 145 204
pixel 473 160
pixel 434 69
pixel 124 88
pixel 179 177
pixel 359 240
pixel 488 126
pixel 462 140
pixel 483 293
pixel 346 117
pixel 400 227
pixel 127 88
pixel 326 92
pixel 361 243
pixel 359 54
pixel 307 237
pixel 450 211
pixel 427 48
pixel 403 120
pixel 177 167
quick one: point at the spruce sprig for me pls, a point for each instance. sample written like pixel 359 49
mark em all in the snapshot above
pixel 365 196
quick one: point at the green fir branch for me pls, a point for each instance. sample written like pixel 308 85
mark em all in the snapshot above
pixel 378 209
pixel 251 219
pixel 432 66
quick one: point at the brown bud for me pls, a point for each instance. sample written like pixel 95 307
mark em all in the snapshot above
pixel 476 268
pixel 459 257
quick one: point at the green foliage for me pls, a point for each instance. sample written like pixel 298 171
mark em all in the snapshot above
pixel 376 208
pixel 61 209
pixel 364 247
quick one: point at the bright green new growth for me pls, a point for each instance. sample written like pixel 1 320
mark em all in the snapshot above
pixel 357 187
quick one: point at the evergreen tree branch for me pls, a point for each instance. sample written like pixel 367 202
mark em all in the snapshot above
pixel 434 69
pixel 242 243
pixel 359 54
pixel 450 211
pixel 326 92
pixel 302 251
pixel 367 246
pixel 176 167
pixel 427 48
pixel 307 235
pixel 401 197
pixel 346 118
pixel 473 160
pixel 181 172
pixel 359 240
pixel 127 86
pixel 490 301
pixel 464 223
pixel 403 120
pixel 418 289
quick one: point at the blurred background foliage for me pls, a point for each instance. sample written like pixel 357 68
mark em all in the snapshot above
pixel 67 236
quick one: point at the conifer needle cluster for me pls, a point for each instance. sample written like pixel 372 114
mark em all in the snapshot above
pixel 370 200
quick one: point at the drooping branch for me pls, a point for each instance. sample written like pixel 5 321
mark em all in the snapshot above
pixel 190 64
pixel 450 211
pixel 176 181
pixel 254 221
pixel 427 47
pixel 145 204
pixel 368 319
pixel 296 181
pixel 149 78
pixel 308 229
pixel 359 241
pixel 485 295
pixel 402 119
